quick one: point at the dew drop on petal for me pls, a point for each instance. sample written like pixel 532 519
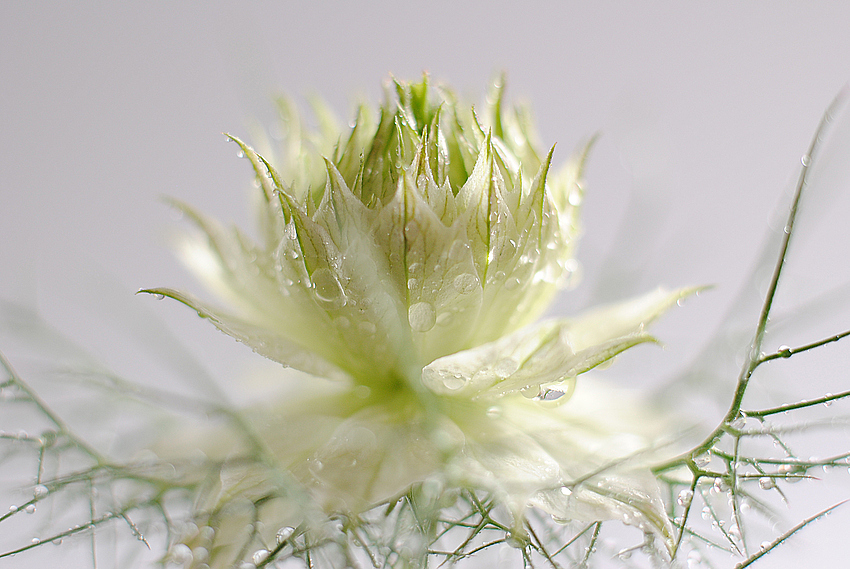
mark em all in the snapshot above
pixel 422 316
pixel 181 554
pixel 201 554
pixel 465 283
pixel 328 291
pixel 494 412
pixel 452 381
pixel 505 367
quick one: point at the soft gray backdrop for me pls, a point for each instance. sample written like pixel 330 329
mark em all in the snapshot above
pixel 704 108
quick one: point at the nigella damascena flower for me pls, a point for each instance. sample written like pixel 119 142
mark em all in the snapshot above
pixel 401 267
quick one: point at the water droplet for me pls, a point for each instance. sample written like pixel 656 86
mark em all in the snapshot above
pixel 684 497
pixel 506 367
pixel 35 541
pixel 57 541
pixel 40 491
pixel 30 509
pixel 575 197
pixel 784 351
pixel 465 283
pixel 702 460
pixel 445 318
pixel 827 403
pixel 806 160
pixel 240 154
pixel 200 554
pixel 259 556
pixel 566 490
pixel 13 508
pixel 422 316
pixel 547 394
pixel 327 289
pixel 412 284
pixel 284 533
pixel 766 483
pixel 453 381
pixel 181 554
pixel 494 412
pixel 764 545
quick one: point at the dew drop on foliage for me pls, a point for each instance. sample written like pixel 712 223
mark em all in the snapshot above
pixel 684 497
pixel 259 556
pixel 30 509
pixel 422 316
pixel 40 491
pixel 284 533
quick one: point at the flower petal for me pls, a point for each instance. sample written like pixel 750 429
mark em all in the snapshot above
pixel 549 352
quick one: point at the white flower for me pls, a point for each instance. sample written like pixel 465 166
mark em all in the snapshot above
pixel 407 260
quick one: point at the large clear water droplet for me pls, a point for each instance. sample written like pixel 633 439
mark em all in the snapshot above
pixel 465 283
pixel 422 316
pixel 327 289
pixel 259 556
pixel 284 533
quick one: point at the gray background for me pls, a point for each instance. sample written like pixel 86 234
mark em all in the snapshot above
pixel 704 108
